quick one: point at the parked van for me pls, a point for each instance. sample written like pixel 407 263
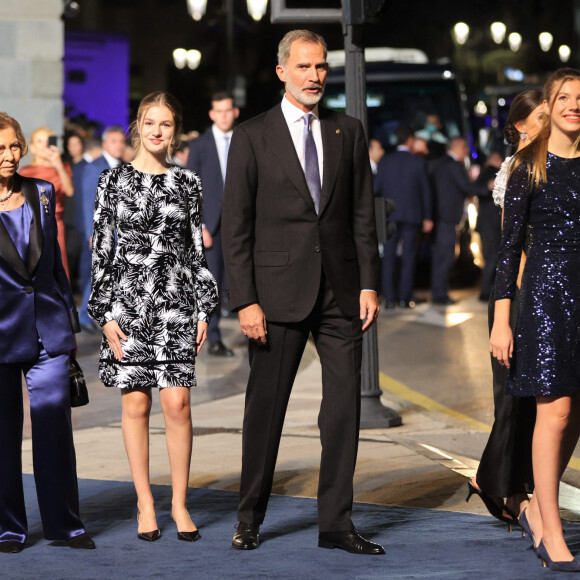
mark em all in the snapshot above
pixel 403 88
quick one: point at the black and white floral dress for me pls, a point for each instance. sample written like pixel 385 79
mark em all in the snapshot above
pixel 149 273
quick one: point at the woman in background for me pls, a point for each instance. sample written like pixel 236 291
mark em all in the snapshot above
pixel 46 163
pixel 505 469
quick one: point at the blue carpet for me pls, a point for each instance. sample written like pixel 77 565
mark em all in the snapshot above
pixel 420 543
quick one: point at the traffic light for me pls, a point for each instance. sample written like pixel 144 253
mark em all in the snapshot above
pixel 360 11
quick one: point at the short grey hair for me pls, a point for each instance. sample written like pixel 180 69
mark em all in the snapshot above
pixel 303 36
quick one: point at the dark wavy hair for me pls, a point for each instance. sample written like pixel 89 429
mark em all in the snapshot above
pixel 521 108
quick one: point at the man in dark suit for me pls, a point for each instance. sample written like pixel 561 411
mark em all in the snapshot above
pixel 208 156
pixel 113 147
pixel 301 255
pixel 402 177
pixel 451 185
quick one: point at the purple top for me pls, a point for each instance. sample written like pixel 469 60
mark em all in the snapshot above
pixel 17 222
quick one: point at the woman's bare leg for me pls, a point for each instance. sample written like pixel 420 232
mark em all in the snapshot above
pixel 175 402
pixel 136 405
pixel 554 436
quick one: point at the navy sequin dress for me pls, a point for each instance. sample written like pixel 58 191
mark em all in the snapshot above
pixel 547 338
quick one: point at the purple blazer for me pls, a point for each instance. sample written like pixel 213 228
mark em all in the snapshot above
pixel 36 299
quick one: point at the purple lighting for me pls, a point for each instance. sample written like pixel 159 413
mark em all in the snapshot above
pixel 96 82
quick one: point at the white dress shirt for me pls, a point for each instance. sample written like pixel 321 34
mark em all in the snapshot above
pixel 111 160
pixel 220 141
pixel 293 116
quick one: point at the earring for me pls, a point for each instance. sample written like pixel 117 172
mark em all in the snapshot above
pixel 523 135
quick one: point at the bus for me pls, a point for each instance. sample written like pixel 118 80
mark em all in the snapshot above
pixel 403 88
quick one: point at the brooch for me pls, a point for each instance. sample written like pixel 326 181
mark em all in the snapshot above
pixel 44 202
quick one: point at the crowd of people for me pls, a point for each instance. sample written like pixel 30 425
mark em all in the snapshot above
pixel 286 223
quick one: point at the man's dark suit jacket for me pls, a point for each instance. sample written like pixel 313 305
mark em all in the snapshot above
pixel 204 160
pixel 451 185
pixel 402 177
pixel 275 245
pixel 90 180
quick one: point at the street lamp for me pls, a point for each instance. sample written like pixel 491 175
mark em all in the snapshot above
pixel 564 53
pixel 186 58
pixel 515 41
pixel 257 8
pixel 193 59
pixel 498 30
pixel 196 8
pixel 180 57
pixel 461 32
pixel 546 40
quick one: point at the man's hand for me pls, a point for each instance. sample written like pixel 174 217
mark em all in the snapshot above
pixel 369 308
pixel 253 323
pixel 207 239
pixel 427 226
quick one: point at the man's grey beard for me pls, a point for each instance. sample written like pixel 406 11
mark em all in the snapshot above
pixel 302 97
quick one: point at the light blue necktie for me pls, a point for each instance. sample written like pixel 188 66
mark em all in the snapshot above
pixel 311 170
pixel 225 157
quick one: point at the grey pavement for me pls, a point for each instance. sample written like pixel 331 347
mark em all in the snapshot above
pixel 424 463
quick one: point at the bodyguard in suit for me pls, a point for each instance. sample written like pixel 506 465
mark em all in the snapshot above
pixel 113 147
pixel 301 256
pixel 402 177
pixel 451 185
pixel 208 155
pixel 37 321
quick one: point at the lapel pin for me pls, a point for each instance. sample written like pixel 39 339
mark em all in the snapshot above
pixel 338 131
pixel 44 201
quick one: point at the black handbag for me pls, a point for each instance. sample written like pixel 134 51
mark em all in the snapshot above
pixel 79 395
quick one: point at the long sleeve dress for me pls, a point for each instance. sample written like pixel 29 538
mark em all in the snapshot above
pixel 546 357
pixel 149 273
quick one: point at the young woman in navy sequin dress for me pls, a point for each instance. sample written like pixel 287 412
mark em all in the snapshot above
pixel 543 355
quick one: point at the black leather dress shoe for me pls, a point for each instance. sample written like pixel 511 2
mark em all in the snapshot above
pixel 11 547
pixel 247 536
pixel 351 542
pixel 218 348
pixel 81 542
pixel 407 304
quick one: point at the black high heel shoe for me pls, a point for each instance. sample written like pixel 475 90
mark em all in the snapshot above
pixel 562 566
pixel 495 510
pixel 187 536
pixel 148 536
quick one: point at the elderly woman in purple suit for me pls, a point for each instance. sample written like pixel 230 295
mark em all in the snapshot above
pixel 38 319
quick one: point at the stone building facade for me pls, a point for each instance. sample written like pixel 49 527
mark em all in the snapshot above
pixel 31 69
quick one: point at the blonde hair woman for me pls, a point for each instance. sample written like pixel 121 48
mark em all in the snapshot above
pixel 153 295
pixel 543 354
pixel 46 163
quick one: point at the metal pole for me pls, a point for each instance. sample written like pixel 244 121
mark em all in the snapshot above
pixel 373 413
pixel 230 81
